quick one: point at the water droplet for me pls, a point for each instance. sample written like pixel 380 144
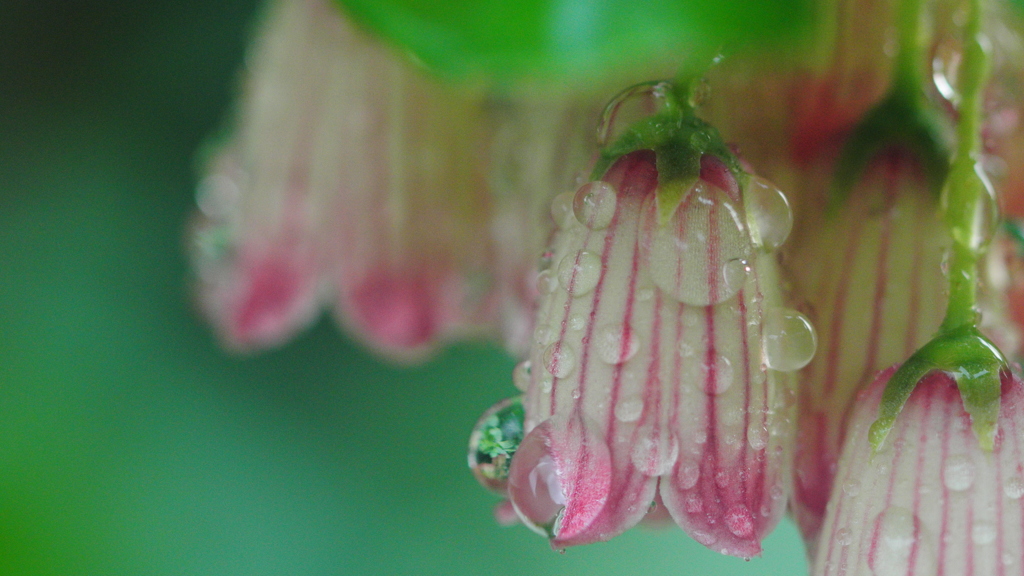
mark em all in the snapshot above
pixel 654 453
pixel 547 382
pixel 789 340
pixel 687 476
pixel 768 214
pixel 644 294
pixel 559 360
pixel 544 262
pixel 977 233
pixel 700 256
pixel 739 521
pixel 851 489
pixel 533 485
pixel 898 531
pixel 616 344
pixel 576 393
pixel 945 69
pixel 494 440
pixel 544 335
pixel 521 375
pixel 561 210
pixel 594 205
pixel 983 533
pixel 717 377
pixel 579 273
pixel 958 473
pixel 1014 487
pixel 630 106
pixel 546 282
pixel 844 537
pixel 577 322
pixel 629 410
pixel 757 436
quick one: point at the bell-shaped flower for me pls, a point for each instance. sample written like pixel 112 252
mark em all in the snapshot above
pixel 929 500
pixel 871 276
pixel 365 176
pixel 659 367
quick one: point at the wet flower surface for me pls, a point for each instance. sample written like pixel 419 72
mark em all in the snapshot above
pixel 694 343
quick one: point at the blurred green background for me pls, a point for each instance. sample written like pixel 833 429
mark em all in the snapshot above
pixel 129 442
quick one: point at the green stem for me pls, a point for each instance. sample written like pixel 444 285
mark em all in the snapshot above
pixel 964 189
pixel 908 74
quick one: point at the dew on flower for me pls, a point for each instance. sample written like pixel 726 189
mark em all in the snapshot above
pixel 699 256
pixel 757 436
pixel 534 486
pixel 521 375
pixel 617 343
pixel 546 282
pixel 579 273
pixel 768 214
pixel 559 360
pixel 717 376
pixel 629 410
pixel 577 322
pixel 561 210
pixel 654 454
pixel 901 538
pixel 594 205
pixel 739 521
pixel 983 533
pixel 629 106
pixel 958 473
pixel 494 440
pixel 1014 487
pixel 789 340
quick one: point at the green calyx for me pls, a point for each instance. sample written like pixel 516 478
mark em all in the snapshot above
pixel 902 120
pixel 678 138
pixel 968 210
pixel 974 362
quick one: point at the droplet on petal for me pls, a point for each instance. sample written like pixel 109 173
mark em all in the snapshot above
pixel 617 343
pixel 561 210
pixel 768 213
pixel 495 439
pixel 594 205
pixel 559 360
pixel 560 478
pixel 958 473
pixel 789 340
pixel 699 257
pixel 579 273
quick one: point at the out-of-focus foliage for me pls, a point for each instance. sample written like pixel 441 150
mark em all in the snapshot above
pixel 574 40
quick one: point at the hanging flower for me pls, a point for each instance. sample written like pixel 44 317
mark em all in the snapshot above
pixel 930 500
pixel 658 370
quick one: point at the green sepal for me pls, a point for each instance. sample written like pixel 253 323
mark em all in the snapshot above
pixel 899 120
pixel 679 139
pixel 974 362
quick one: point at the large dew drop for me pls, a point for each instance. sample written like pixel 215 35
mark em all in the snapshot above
pixel 594 205
pixel 579 273
pixel 533 485
pixel 789 340
pixel 699 257
pixel 495 439
pixel 958 473
pixel 901 539
pixel 768 213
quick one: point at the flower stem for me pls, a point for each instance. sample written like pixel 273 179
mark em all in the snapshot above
pixel 963 197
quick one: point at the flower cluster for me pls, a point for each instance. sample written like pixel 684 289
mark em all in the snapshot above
pixel 767 285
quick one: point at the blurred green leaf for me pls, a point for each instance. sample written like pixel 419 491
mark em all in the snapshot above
pixel 573 40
